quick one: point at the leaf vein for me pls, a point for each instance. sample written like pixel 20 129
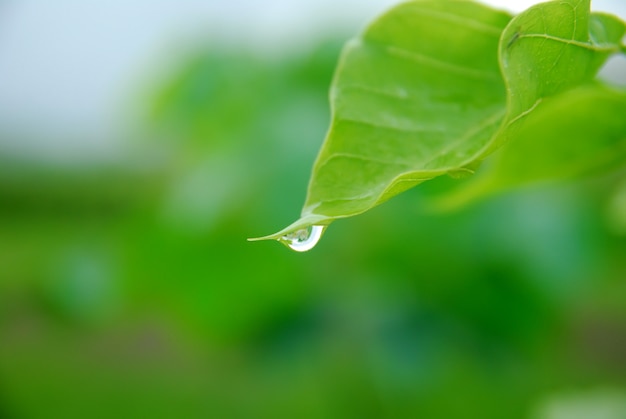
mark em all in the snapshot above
pixel 591 47
pixel 417 129
pixel 352 156
pixel 460 20
pixel 422 58
pixel 491 120
pixel 401 93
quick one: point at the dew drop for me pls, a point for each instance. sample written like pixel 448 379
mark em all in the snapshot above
pixel 304 239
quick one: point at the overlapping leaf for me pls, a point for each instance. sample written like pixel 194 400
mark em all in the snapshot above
pixel 560 121
pixel 433 87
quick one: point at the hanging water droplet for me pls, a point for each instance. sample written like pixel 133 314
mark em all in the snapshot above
pixel 303 239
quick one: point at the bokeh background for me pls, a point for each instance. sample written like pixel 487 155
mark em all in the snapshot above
pixel 142 142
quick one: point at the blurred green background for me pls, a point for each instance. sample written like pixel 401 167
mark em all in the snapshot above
pixel 128 289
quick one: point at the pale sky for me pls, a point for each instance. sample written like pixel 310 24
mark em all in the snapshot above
pixel 69 68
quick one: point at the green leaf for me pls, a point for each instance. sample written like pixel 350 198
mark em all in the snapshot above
pixel 434 87
pixel 415 96
pixel 560 124
pixel 548 49
pixel 571 134
pixel 578 132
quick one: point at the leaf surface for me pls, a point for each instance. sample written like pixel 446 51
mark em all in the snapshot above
pixel 434 87
pixel 418 94
pixel 560 122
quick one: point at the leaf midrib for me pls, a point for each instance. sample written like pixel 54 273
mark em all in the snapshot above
pixel 585 45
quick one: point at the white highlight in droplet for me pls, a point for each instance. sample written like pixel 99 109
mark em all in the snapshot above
pixel 304 239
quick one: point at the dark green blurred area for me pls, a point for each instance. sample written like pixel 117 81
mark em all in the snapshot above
pixel 130 290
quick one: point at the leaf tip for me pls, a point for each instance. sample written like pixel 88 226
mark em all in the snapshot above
pixel 305 222
pixel 256 239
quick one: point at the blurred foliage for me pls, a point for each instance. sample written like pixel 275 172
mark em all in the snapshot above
pixel 130 290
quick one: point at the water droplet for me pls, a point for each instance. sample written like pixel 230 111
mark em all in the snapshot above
pixel 304 239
